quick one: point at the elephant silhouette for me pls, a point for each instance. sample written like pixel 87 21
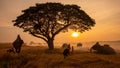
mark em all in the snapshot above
pixel 17 44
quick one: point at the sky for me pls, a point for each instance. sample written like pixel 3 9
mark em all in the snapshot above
pixel 105 12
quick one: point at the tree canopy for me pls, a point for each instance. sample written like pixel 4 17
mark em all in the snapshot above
pixel 46 20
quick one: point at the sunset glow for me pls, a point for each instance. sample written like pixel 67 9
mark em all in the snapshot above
pixel 59 33
pixel 75 34
pixel 106 14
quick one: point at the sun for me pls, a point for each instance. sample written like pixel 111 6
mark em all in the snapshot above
pixel 75 34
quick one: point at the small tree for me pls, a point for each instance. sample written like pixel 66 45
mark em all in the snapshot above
pixel 47 20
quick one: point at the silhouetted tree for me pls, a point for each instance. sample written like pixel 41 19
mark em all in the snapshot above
pixel 46 20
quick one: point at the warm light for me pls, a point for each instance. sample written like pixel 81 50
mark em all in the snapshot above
pixel 75 34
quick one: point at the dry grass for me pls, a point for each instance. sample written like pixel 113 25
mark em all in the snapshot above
pixel 40 57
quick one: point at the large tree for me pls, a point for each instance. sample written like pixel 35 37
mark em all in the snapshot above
pixel 46 20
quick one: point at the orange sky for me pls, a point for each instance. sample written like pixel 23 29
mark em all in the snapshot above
pixel 105 12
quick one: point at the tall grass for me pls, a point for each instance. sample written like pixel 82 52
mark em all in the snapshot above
pixel 5 45
pixel 41 57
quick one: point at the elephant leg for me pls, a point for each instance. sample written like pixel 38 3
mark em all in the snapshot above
pixel 90 49
pixel 16 50
pixel 19 49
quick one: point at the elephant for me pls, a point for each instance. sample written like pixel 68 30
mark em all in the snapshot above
pixel 79 44
pixel 17 44
pixel 105 49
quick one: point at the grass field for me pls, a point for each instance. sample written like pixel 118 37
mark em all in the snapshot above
pixel 40 57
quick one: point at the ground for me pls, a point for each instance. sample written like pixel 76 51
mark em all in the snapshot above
pixel 41 57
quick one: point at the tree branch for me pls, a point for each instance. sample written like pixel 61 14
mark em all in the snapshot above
pixel 39 37
pixel 61 29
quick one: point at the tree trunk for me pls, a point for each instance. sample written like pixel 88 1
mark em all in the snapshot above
pixel 51 43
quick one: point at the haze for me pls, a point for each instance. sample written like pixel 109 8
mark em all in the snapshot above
pixel 105 12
